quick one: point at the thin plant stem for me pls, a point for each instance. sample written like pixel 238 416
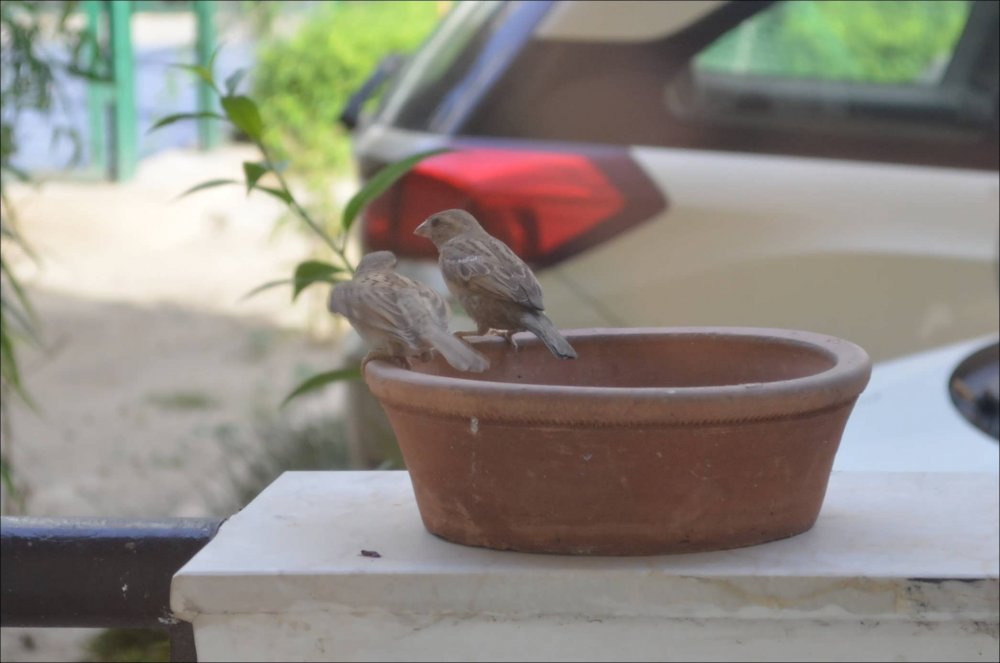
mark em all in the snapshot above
pixel 304 214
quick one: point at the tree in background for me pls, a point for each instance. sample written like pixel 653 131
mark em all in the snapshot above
pixel 31 33
pixel 303 82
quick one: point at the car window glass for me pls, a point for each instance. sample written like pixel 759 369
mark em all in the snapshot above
pixel 908 81
pixel 907 69
pixel 438 64
pixel 861 41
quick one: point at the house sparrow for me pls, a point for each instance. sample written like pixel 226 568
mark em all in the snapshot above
pixel 399 318
pixel 494 286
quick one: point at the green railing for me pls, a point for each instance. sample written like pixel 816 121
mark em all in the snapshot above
pixel 111 105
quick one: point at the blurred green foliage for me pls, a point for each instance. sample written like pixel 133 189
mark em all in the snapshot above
pixel 302 83
pixel 869 41
pixel 29 85
pixel 119 645
pixel 244 113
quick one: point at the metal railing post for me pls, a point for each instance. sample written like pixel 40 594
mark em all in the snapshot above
pixel 97 93
pixel 126 149
pixel 209 135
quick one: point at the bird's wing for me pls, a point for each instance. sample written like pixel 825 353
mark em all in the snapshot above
pixel 485 265
pixel 341 297
pixel 433 303
pixel 380 302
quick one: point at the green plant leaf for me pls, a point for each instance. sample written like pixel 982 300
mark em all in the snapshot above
pixel 280 194
pixel 7 476
pixel 91 74
pixel 204 73
pixel 211 59
pixel 10 232
pixel 17 172
pixel 26 325
pixel 378 184
pixel 177 117
pixel 300 284
pixel 20 294
pixel 11 372
pixel 242 111
pixel 207 185
pixel 266 286
pixel 253 172
pixel 312 271
pixel 233 80
pixel 321 380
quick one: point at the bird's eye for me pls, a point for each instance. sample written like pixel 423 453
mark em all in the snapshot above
pixel 434 221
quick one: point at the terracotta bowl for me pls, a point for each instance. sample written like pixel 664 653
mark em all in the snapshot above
pixel 656 440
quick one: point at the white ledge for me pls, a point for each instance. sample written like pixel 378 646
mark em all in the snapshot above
pixel 285 580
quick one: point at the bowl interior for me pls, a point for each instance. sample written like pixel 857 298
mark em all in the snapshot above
pixel 646 360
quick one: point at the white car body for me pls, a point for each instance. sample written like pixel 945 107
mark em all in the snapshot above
pixel 897 254
pixel 904 421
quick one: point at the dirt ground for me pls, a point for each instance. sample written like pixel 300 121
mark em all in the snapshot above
pixel 152 371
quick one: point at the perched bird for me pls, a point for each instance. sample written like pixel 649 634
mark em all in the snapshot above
pixel 399 318
pixel 494 286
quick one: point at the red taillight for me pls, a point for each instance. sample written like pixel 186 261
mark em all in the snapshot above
pixel 544 205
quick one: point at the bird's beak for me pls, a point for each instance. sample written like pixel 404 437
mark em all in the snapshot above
pixel 423 230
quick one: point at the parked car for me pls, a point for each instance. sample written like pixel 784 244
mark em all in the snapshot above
pixel 932 411
pixel 822 166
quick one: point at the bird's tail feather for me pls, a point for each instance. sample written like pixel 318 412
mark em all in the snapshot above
pixel 539 325
pixel 458 353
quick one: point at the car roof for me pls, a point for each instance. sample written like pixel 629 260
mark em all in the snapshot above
pixel 573 20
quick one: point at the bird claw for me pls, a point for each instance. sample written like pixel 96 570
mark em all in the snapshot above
pixel 509 337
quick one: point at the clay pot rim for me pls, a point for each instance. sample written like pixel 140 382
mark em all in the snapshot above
pixel 469 397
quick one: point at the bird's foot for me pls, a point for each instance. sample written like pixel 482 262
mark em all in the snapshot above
pixel 508 336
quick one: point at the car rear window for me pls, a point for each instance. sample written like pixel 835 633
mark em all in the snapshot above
pixel 862 41
pixel 440 64
pixel 908 82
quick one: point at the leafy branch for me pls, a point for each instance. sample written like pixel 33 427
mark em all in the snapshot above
pixel 29 84
pixel 242 112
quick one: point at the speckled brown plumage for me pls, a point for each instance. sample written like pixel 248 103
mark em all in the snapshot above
pixel 400 318
pixel 494 286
